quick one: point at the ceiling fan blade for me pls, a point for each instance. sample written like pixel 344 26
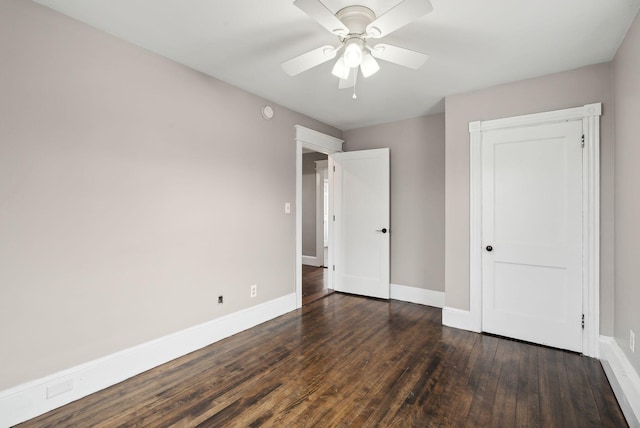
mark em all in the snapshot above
pixel 348 82
pixel 400 56
pixel 323 16
pixel 309 60
pixel 402 14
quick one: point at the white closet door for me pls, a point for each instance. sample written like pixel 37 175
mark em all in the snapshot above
pixel 532 234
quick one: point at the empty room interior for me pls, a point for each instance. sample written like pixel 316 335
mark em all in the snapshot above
pixel 319 213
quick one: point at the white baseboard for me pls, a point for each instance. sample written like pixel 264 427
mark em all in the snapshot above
pixel 417 295
pixel 458 318
pixel 624 380
pixel 29 400
pixel 311 261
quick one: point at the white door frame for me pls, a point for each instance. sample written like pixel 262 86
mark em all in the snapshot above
pixel 321 167
pixel 308 139
pixel 590 116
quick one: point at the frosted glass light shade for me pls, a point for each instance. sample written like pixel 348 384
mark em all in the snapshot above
pixel 353 54
pixel 340 69
pixel 369 65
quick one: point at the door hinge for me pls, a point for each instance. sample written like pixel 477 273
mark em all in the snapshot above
pixel 334 267
pixel 583 141
pixel 334 167
pixel 334 218
pixel 583 321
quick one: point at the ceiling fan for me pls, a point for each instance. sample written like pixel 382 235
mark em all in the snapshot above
pixel 355 26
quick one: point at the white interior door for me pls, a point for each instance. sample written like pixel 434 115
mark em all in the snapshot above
pixel 532 234
pixel 360 245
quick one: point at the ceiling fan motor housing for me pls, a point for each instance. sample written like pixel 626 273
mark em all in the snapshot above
pixel 356 19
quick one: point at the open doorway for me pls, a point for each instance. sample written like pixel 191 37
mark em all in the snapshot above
pixel 308 140
pixel 358 216
pixel 315 234
pixel 315 283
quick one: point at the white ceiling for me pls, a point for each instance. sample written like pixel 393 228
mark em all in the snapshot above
pixel 472 44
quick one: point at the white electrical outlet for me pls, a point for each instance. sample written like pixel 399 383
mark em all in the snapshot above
pixel 254 290
pixel 632 341
pixel 59 388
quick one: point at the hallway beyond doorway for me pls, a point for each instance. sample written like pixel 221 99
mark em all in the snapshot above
pixel 315 282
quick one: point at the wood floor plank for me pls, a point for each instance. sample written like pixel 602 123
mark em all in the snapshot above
pixel 456 408
pixel 505 402
pixel 350 361
pixel 550 403
pixel 486 414
pixel 400 383
pixel 528 402
pixel 480 377
pixel 609 411
pixel 584 403
pixel 315 283
pixel 436 400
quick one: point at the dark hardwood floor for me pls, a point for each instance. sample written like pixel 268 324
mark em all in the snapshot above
pixel 314 283
pixel 352 361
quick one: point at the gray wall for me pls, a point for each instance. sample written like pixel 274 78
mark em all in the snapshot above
pixel 417 196
pixel 133 191
pixel 626 66
pixel 309 202
pixel 553 92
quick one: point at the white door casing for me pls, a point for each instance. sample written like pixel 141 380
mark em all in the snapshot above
pixel 359 189
pixel 321 169
pixel 589 115
pixel 532 233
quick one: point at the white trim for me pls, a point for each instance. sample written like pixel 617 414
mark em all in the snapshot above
pixel 311 261
pixel 421 296
pixel 576 113
pixel 330 264
pixel 591 230
pixel 319 142
pixel 590 116
pixel 28 400
pixel 624 380
pixel 321 167
pixel 458 318
pixel 475 229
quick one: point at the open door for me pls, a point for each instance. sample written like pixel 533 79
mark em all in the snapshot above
pixel 359 211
